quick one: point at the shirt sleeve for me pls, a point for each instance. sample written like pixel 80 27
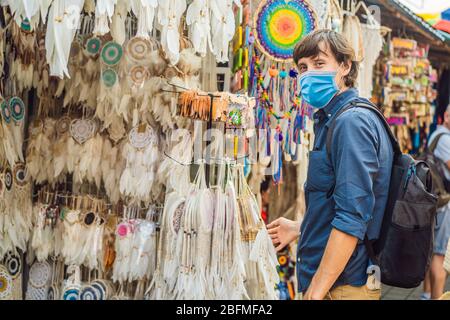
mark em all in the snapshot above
pixel 355 161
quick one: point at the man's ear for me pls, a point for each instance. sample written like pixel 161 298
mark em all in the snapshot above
pixel 346 67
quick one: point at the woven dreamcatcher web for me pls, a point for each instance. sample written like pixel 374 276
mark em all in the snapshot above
pixel 281 24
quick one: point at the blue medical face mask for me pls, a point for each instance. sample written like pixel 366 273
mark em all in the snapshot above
pixel 318 87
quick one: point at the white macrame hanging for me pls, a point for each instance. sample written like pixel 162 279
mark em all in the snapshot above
pixel 141 154
pixel 62 24
pixel 373 44
pixel 145 11
pixel 104 10
pixel 169 18
pixel 222 27
pixel 198 20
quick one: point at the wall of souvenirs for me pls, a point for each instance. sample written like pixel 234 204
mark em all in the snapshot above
pixel 406 91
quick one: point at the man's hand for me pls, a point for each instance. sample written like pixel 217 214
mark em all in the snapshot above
pixel 283 231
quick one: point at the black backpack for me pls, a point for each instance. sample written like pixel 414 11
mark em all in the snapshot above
pixel 404 247
pixel 441 186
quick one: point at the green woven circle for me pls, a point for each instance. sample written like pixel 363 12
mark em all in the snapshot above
pixel 111 53
pixel 17 108
pixel 93 45
pixel 109 77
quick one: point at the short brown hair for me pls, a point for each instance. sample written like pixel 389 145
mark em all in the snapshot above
pixel 338 44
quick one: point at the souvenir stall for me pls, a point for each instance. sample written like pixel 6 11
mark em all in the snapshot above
pixel 405 91
pixel 106 191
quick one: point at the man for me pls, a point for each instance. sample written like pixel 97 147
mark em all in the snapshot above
pixel 346 193
pixel 435 281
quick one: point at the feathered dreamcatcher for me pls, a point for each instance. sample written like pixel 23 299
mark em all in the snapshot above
pixel 141 154
pixel 13 118
pixel 195 252
pixel 39 281
pixel 22 56
pixel 5 284
pixel 84 68
pixel 42 135
pixel 44 221
pixel 110 97
pixel 135 248
pixel 261 272
pixel 15 201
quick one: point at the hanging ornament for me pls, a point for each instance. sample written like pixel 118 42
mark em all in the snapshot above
pixel 20 174
pixel 109 77
pixel 71 293
pixel 93 45
pixel 82 130
pixel 89 293
pixel 14 265
pixel 138 48
pixel 17 108
pixel 141 136
pixel 280 25
pixel 5 283
pixel 63 125
pixel 111 53
pixel 138 74
pixel 8 178
pixel 40 273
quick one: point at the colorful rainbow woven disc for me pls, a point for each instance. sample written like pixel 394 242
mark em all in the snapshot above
pixel 281 24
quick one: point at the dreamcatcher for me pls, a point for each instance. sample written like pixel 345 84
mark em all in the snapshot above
pixel 141 154
pixel 23 59
pixel 168 256
pixel 39 281
pixel 13 118
pixel 5 284
pixel 135 248
pixel 42 240
pixel 72 286
pixel 261 271
pixel 109 99
pixel 193 282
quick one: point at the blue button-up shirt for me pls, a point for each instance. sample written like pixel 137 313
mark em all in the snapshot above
pixel 360 170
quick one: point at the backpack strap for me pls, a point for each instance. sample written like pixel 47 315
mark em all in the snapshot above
pixel 366 105
pixel 435 142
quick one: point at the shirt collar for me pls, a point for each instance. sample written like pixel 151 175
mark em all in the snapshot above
pixel 336 104
pixel 340 101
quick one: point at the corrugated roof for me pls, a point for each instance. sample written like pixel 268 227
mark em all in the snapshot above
pixel 418 20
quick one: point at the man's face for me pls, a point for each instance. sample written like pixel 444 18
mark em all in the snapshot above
pixel 324 61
